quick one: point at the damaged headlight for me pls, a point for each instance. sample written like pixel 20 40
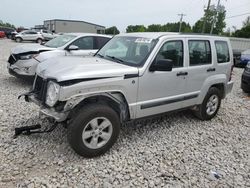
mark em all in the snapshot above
pixel 52 94
pixel 26 57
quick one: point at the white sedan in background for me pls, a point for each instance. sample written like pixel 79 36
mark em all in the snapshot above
pixel 24 59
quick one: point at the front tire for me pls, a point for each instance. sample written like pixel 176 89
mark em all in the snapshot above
pixel 210 105
pixel 94 130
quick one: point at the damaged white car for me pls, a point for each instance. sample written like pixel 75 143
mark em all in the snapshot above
pixel 24 59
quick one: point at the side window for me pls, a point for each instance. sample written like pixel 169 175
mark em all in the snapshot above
pixel 84 43
pixel 222 51
pixel 101 41
pixel 199 52
pixel 32 32
pixel 172 50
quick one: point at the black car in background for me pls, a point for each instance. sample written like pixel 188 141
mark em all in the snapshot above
pixel 245 79
pixel 7 31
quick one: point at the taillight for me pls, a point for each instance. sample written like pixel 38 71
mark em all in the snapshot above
pixel 231 73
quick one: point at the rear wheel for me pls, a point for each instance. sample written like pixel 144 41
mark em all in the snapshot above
pixel 94 130
pixel 210 105
pixel 18 39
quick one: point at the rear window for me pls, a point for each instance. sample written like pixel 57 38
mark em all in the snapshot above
pixel 222 51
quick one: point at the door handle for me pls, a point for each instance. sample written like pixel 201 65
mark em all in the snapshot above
pixel 211 70
pixel 182 73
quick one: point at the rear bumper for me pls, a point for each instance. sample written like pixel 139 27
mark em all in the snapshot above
pixel 245 82
pixel 229 87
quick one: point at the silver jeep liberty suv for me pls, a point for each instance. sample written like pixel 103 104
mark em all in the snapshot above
pixel 133 76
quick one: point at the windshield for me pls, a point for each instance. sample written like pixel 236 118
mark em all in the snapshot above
pixel 59 41
pixel 131 51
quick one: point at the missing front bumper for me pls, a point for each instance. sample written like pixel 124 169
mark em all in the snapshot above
pixel 45 111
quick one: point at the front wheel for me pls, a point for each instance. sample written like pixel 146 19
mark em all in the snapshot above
pixel 94 130
pixel 210 105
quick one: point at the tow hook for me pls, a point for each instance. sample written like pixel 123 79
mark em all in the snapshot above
pixel 26 96
pixel 28 130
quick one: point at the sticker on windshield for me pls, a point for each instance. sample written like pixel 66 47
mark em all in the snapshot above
pixel 143 40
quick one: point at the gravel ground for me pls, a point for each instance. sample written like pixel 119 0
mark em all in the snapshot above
pixel 173 151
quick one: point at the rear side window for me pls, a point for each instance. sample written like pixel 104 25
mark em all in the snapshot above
pixel 101 41
pixel 222 51
pixel 199 52
pixel 172 50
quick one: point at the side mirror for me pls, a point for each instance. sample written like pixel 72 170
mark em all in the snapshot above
pixel 72 47
pixel 162 65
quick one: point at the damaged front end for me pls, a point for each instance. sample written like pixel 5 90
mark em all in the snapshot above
pixel 44 95
pixel 38 95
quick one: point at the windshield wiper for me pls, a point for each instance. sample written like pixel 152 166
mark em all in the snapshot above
pixel 99 55
pixel 115 58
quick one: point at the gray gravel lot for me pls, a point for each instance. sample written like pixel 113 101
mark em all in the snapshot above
pixel 173 151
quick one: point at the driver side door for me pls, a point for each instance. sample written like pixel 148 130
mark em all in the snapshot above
pixel 162 91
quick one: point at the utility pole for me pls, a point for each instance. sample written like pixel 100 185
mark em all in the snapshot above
pixel 215 17
pixel 205 17
pixel 181 19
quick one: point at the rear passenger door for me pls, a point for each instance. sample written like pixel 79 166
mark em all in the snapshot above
pixel 200 67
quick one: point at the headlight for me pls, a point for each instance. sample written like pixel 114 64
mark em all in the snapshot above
pixel 26 57
pixel 52 94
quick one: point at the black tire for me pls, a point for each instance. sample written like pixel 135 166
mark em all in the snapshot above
pixel 18 39
pixel 201 112
pixel 39 40
pixel 82 121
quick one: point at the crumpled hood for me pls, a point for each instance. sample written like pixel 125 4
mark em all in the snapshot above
pixel 70 68
pixel 29 48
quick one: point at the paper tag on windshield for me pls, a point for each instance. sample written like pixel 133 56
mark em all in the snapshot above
pixel 143 40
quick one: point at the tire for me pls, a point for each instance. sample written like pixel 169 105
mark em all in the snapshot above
pixel 89 117
pixel 18 39
pixel 39 40
pixel 210 105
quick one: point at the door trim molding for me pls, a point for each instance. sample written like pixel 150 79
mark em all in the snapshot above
pixel 168 101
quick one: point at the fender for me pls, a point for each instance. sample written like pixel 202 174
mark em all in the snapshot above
pixel 210 81
pixel 115 96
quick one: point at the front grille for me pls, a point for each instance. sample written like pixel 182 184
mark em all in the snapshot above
pixel 40 88
pixel 12 59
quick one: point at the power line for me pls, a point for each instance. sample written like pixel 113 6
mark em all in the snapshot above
pixel 238 15
pixel 181 19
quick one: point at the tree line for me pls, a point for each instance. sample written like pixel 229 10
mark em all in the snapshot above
pixel 203 25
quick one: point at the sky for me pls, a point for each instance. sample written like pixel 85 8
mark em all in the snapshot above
pixel 118 13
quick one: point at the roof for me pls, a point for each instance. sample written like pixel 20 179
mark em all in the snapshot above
pixel 152 35
pixel 88 34
pixel 75 21
pixel 155 35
